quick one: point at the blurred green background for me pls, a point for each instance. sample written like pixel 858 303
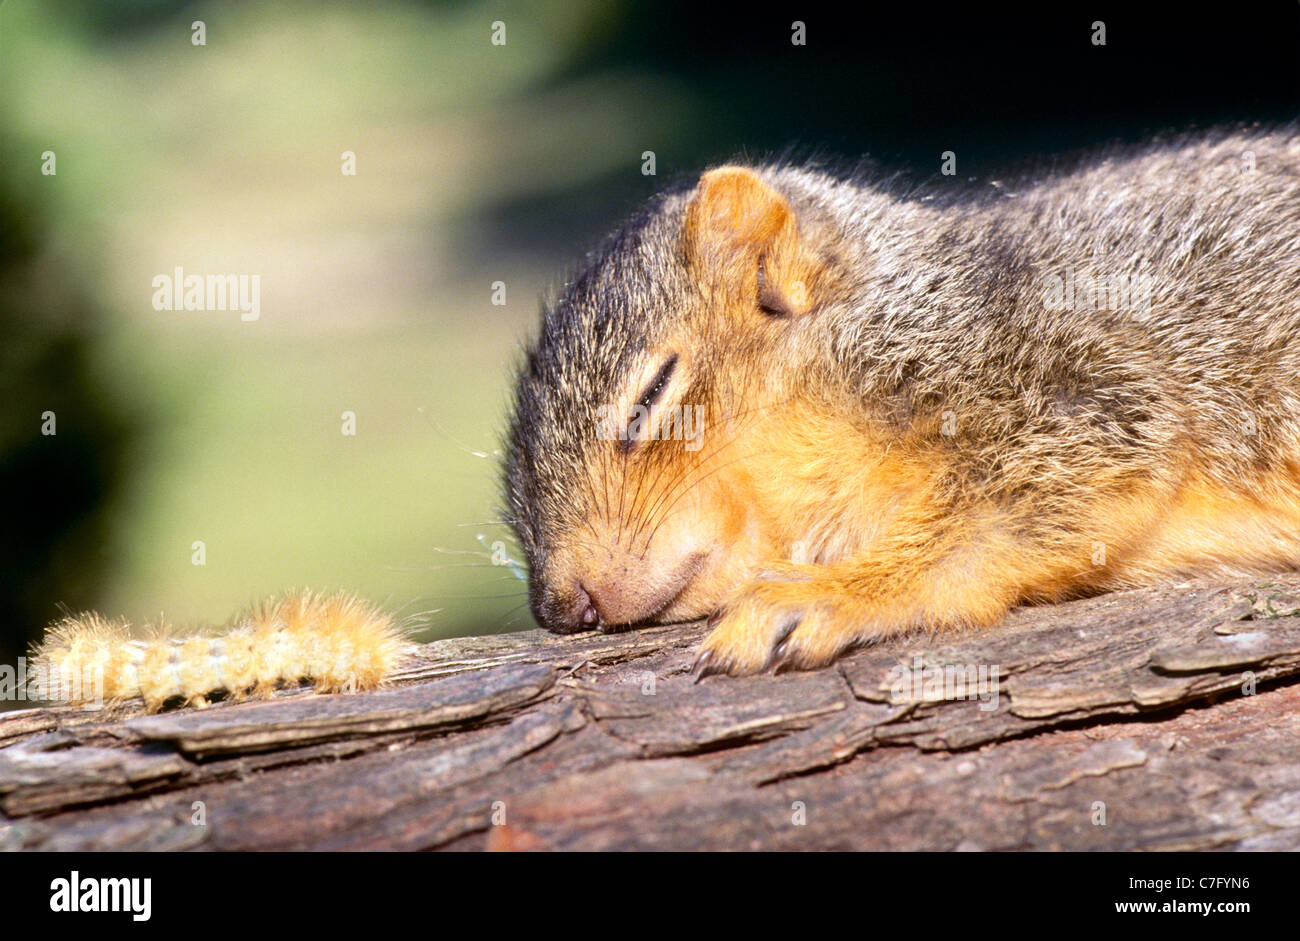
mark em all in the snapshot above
pixel 476 163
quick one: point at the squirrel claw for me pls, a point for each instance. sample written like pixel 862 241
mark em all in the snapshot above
pixel 703 666
pixel 779 664
pixel 781 642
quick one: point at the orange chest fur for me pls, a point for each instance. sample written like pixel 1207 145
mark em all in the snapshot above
pixel 825 488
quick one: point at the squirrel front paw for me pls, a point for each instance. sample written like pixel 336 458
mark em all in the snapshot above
pixel 788 617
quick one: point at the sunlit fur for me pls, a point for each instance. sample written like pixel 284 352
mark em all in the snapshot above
pixel 337 641
pixel 901 432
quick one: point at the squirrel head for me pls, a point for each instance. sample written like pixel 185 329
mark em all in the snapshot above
pixel 642 411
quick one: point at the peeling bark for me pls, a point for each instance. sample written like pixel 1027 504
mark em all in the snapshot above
pixel 1166 718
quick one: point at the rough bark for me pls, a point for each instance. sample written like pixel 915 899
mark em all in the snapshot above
pixel 1158 719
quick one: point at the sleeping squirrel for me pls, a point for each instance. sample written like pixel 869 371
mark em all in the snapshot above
pixel 823 408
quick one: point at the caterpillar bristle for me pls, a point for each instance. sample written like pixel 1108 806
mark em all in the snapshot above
pixel 338 642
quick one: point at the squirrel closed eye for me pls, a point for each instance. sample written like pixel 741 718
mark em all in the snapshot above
pixel 824 411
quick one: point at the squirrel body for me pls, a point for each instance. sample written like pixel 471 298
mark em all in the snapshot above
pixel 921 406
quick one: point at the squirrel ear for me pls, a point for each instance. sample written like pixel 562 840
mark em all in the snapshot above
pixel 741 235
pixel 733 212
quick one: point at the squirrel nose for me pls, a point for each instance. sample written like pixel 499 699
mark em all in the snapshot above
pixel 586 606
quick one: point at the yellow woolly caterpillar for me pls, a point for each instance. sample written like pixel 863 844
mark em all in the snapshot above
pixel 338 642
